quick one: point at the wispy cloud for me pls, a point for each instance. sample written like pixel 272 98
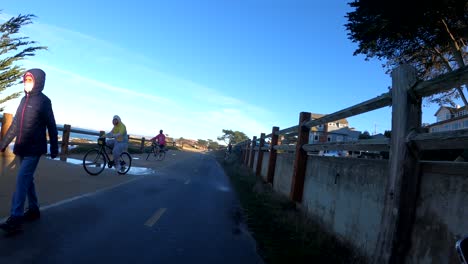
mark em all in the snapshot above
pixel 148 98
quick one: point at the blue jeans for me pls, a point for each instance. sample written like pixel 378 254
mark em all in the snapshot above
pixel 25 186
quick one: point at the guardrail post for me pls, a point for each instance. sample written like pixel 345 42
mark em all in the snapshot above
pixel 258 171
pixel 403 183
pixel 6 123
pixel 252 151
pixel 273 155
pixel 65 142
pixel 300 162
pixel 142 146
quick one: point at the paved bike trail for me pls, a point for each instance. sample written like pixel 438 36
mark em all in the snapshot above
pixel 184 212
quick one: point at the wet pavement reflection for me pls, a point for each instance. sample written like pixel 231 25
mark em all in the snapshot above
pixel 133 170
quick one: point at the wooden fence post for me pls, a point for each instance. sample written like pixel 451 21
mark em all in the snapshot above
pixel 247 152
pixel 65 142
pixel 258 171
pixel 252 151
pixel 142 146
pixel 403 182
pixel 6 123
pixel 243 150
pixel 273 155
pixel 300 162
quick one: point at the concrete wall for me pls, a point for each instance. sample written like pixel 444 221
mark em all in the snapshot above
pixel 283 173
pixel 266 158
pixel 442 213
pixel 347 196
pixel 264 169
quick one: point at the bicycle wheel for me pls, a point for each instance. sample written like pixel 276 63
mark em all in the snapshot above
pixel 125 163
pixel 94 162
pixel 151 151
pixel 161 155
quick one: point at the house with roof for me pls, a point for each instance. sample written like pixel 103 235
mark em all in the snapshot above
pixel 337 131
pixel 449 119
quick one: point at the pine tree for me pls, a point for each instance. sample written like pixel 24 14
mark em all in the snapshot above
pixel 430 35
pixel 13 49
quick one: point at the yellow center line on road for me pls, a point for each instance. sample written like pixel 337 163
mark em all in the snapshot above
pixel 155 217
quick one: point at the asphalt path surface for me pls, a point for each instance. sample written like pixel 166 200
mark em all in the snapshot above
pixel 184 212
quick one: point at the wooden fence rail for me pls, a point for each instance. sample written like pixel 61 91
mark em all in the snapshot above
pixel 66 130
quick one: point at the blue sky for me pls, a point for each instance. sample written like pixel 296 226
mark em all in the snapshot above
pixel 194 68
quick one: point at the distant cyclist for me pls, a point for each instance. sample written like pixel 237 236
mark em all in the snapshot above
pixel 160 139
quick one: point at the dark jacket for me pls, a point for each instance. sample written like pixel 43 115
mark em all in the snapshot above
pixel 33 117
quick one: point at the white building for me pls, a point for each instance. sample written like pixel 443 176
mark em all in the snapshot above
pixel 450 118
pixel 337 131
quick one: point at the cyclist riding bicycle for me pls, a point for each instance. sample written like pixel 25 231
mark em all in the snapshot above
pixel 119 139
pixel 160 139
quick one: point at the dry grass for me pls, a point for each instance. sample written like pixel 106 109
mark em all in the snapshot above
pixel 283 233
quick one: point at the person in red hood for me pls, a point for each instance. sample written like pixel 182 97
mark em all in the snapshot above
pixel 32 119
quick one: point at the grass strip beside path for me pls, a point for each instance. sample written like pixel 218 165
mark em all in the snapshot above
pixel 283 233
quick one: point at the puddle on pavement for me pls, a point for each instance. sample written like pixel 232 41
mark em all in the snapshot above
pixel 222 188
pixel 132 171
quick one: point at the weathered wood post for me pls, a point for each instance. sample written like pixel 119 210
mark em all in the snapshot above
pixel 65 142
pixel 6 123
pixel 252 152
pixel 247 152
pixel 300 162
pixel 243 150
pixel 142 145
pixel 273 155
pixel 403 182
pixel 258 171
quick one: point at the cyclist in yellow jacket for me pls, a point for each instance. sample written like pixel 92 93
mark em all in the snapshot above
pixel 119 139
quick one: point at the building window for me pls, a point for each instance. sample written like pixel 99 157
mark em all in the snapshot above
pixel 337 124
pixel 454 126
pixel 316 138
pixel 329 139
pixel 447 116
pixel 465 123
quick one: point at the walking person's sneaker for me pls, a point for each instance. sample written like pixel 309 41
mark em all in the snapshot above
pixel 12 225
pixel 32 215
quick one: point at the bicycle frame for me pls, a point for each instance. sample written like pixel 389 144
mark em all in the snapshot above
pixel 157 151
pixel 103 149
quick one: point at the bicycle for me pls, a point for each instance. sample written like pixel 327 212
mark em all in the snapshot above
pixel 157 152
pixel 95 160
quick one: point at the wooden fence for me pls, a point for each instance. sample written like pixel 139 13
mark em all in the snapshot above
pixel 65 143
pixel 408 140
